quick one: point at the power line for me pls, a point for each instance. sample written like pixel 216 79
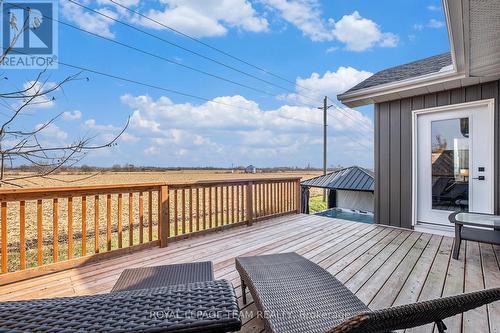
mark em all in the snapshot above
pixel 158 56
pixel 188 50
pixel 167 59
pixel 163 58
pixel 357 141
pixel 209 46
pixel 356 130
pixel 346 113
pixel 358 138
pixel 120 78
pixel 177 92
pixel 359 122
pixel 360 135
pixel 171 61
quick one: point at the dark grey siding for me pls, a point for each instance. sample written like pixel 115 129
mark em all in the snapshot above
pixel 393 149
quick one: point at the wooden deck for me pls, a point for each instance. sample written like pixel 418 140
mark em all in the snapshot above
pixel 383 266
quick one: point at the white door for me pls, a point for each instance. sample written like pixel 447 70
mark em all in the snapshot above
pixel 454 151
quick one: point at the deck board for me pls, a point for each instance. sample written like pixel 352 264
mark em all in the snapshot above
pixel 476 319
pixel 384 297
pixel 491 272
pixel 384 266
pixel 414 283
pixel 434 282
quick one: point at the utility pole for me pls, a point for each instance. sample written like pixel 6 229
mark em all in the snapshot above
pixel 325 136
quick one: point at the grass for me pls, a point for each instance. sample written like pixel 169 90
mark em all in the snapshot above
pixel 316 204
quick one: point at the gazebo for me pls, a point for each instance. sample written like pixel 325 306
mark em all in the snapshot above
pixel 350 188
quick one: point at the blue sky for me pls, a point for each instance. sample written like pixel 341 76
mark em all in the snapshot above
pixel 325 47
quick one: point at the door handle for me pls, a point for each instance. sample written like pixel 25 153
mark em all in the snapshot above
pixel 479 178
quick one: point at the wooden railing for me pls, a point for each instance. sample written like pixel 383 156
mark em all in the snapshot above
pixel 50 229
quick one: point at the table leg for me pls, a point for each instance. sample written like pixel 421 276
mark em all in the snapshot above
pixel 458 240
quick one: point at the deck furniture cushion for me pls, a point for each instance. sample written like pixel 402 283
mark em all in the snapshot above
pixel 152 304
pixel 294 294
pixel 162 276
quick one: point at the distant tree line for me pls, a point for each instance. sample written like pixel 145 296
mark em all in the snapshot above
pixel 134 168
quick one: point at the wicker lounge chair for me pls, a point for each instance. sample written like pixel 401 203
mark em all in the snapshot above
pixel 294 294
pixel 149 299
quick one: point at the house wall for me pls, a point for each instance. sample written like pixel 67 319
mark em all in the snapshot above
pixel 393 149
pixel 359 200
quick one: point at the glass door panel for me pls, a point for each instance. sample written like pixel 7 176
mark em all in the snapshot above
pixel 450 164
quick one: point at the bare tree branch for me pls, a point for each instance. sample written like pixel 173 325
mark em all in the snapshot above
pixel 14 40
pixel 17 144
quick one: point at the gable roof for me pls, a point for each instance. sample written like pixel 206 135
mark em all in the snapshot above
pixel 353 178
pixel 473 27
pixel 410 70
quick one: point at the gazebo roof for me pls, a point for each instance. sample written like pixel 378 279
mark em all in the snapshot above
pixel 352 178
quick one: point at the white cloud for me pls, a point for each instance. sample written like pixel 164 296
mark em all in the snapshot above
pixel 359 34
pixel 166 122
pixel 92 124
pixel 432 24
pixel 332 49
pixel 208 18
pixel 434 8
pixel 127 3
pixel 214 18
pixel 43 100
pixel 211 131
pixel 137 121
pixel 389 40
pixel 436 24
pixel 126 137
pixel 356 32
pixel 87 20
pixel 72 115
pixel 152 150
pixel 52 131
pixel 330 84
pixel 305 15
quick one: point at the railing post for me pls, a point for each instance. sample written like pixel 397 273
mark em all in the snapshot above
pixel 297 197
pixel 164 216
pixel 3 215
pixel 249 203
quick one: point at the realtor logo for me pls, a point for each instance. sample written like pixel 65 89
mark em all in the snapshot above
pixel 29 34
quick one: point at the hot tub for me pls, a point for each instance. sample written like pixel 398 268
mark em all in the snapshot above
pixel 348 214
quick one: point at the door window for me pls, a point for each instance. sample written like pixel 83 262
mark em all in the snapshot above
pixel 450 164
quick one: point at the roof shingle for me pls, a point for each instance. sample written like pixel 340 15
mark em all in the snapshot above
pixel 407 71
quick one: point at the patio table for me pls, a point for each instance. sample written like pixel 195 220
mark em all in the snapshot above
pixel 477 227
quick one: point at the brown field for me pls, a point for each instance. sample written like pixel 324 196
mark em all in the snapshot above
pixel 76 179
pixel 62 180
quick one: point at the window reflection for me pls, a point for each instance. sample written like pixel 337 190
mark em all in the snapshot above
pixel 450 164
